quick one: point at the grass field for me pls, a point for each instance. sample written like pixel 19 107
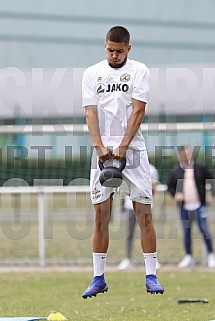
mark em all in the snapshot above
pixel 68 237
pixel 37 294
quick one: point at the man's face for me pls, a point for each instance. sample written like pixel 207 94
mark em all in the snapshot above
pixel 185 155
pixel 116 53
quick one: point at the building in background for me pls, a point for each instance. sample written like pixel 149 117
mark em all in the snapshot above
pixel 46 45
pixel 68 33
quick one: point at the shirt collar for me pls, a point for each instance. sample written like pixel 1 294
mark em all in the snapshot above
pixel 185 166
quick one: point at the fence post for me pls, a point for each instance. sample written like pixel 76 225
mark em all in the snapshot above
pixel 41 225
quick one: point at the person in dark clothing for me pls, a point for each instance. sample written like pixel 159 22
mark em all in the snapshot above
pixel 187 184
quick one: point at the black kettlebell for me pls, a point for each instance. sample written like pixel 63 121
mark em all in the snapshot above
pixel 111 176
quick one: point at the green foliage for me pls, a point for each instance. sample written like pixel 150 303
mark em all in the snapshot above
pixel 54 170
pixel 69 169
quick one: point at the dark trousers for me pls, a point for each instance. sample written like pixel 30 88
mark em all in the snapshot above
pixel 130 233
pixel 200 216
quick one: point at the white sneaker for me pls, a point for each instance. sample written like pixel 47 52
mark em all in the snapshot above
pixel 211 260
pixel 187 261
pixel 125 265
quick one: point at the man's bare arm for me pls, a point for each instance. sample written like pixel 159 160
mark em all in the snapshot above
pixel 93 126
pixel 134 123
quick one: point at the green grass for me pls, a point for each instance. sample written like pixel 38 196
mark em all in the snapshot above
pixel 37 294
pixel 70 238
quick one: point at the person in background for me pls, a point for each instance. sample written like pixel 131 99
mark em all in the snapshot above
pixel 115 92
pixel 131 222
pixel 187 184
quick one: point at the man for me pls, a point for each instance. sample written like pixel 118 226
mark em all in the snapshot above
pixel 187 184
pixel 131 224
pixel 115 92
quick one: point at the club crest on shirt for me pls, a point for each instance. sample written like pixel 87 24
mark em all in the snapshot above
pixel 96 193
pixel 125 77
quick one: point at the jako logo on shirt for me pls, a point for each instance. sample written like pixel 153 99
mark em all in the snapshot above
pixel 101 88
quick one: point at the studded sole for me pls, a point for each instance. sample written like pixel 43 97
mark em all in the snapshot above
pixel 155 292
pixel 94 295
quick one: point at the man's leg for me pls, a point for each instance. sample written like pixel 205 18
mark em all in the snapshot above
pixel 203 226
pixel 100 247
pixel 101 227
pixel 131 222
pixel 148 244
pixel 186 220
pixel 144 219
pixel 130 235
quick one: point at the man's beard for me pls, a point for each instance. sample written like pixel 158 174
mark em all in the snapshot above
pixel 118 65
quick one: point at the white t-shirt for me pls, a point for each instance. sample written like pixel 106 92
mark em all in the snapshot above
pixel 191 201
pixel 112 90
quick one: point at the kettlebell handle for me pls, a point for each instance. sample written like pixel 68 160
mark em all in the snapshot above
pixel 121 167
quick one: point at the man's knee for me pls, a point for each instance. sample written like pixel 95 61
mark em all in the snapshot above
pixel 102 218
pixel 145 220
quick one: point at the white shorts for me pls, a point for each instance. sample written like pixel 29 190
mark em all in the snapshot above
pixel 136 178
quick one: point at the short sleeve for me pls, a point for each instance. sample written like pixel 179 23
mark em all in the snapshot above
pixel 89 96
pixel 141 85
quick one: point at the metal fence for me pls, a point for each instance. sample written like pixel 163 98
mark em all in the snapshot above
pixel 49 225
